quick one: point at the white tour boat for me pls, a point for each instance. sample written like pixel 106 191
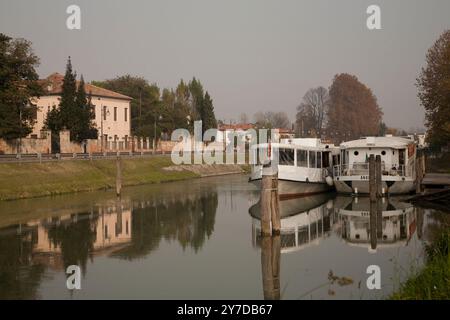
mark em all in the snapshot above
pixel 304 165
pixel 398 156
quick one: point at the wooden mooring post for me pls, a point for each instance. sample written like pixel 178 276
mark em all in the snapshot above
pixel 420 170
pixel 270 203
pixel 118 176
pixel 376 193
pixel 270 267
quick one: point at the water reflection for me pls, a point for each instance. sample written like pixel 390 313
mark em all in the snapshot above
pixel 357 221
pixel 304 222
pixel 385 223
pixel 182 240
pixel 128 228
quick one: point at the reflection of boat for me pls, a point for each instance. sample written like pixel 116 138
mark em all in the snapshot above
pixel 397 162
pixel 304 165
pixel 303 221
pixel 392 222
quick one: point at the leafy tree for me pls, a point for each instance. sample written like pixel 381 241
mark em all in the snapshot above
pixel 145 105
pixel 434 91
pixel 353 110
pixel 170 109
pixel 18 86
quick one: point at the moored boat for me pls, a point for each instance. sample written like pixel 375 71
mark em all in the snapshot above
pixel 398 156
pixel 304 165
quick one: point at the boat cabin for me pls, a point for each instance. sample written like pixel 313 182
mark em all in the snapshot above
pixel 397 156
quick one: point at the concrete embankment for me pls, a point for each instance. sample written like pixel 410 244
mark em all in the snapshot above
pixel 29 180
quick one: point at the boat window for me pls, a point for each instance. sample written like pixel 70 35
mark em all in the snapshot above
pixel 286 157
pixel 326 159
pixel 401 157
pixel 319 159
pixel 302 158
pixel 312 159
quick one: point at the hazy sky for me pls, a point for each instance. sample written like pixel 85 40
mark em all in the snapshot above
pixel 251 55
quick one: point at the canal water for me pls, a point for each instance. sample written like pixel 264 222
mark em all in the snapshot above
pixel 199 239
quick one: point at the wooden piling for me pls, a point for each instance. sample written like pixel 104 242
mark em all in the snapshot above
pixel 420 172
pixel 373 224
pixel 270 203
pixel 372 179
pixel 270 267
pixel 379 219
pixel 118 176
pixel 266 204
pixel 378 175
pixel 275 207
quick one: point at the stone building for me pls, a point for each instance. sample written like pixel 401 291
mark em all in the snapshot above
pixel 112 109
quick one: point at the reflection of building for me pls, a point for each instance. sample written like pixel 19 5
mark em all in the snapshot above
pixel 393 225
pixel 110 229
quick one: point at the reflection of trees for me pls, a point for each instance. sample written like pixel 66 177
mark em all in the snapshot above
pixel 19 276
pixel 76 240
pixel 190 222
pixel 437 223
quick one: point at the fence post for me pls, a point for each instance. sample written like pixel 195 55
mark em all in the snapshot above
pixel 118 176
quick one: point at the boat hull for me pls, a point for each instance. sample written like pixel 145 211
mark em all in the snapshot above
pixel 358 186
pixel 292 189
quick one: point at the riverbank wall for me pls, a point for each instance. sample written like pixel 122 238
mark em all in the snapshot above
pixel 28 180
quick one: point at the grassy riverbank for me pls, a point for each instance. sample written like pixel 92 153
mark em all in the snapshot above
pixel 433 282
pixel 49 178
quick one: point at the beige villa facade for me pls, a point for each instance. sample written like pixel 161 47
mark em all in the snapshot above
pixel 112 109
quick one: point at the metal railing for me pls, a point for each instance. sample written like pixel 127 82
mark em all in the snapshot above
pixel 362 169
pixel 41 157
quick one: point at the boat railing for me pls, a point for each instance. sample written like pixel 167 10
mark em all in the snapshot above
pixel 362 169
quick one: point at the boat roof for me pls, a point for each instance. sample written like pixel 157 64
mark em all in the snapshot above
pixel 381 142
pixel 303 143
pixel 323 147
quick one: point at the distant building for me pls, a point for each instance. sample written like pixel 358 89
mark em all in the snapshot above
pixel 112 109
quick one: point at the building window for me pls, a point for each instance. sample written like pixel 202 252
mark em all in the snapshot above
pixel 115 113
pixel 126 114
pixel 104 112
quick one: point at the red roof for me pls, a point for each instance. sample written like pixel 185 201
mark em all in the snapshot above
pixel 239 126
pixel 53 86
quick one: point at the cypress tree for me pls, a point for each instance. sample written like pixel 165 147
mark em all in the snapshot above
pixel 208 116
pixel 67 106
pixel 83 127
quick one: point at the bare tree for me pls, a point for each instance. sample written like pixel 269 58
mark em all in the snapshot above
pixel 312 111
pixel 243 118
pixel 271 119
